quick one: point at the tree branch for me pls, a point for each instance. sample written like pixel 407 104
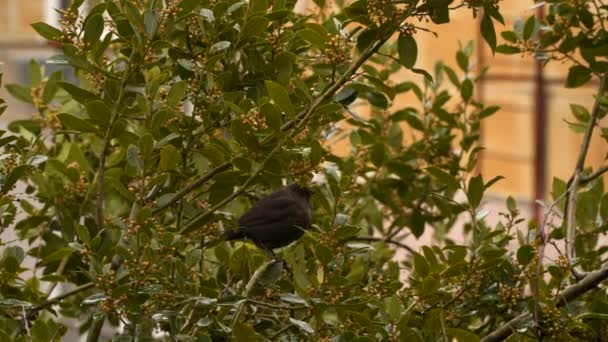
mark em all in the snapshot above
pixel 190 187
pixel 588 283
pixel 541 253
pixel 389 241
pixel 598 173
pixel 106 144
pixel 61 297
pixel 572 198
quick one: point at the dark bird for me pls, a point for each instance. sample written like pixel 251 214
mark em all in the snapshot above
pixel 277 220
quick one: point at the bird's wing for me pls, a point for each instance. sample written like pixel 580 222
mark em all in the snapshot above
pixel 279 209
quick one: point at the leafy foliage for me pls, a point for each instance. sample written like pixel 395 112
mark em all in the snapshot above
pixel 185 112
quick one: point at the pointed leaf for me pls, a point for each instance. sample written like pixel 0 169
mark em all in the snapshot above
pixel 408 50
pixel 280 96
pixel 99 112
pixel 488 32
pixel 72 122
pixel 47 31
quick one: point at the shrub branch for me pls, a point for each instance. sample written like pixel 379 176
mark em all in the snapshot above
pixel 589 282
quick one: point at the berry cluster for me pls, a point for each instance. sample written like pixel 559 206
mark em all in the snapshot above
pixel 337 50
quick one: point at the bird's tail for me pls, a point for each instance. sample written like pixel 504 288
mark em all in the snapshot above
pixel 228 235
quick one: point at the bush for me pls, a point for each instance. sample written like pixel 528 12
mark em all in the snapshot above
pixel 185 112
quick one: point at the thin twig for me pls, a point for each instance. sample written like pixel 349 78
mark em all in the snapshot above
pixel 26 323
pixel 106 144
pixel 385 240
pixel 61 297
pixel 190 187
pixel 282 307
pixel 541 255
pixel 571 201
pixel 599 172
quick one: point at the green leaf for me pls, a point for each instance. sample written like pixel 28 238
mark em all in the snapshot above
pixel 76 4
pixel 466 90
pixel 417 224
pixel 329 108
pixel 346 96
pixel 488 111
pixel 577 76
pixel 99 112
pixel 151 22
pixel 440 12
pixel 51 87
pixel 72 122
pixel 488 32
pixel 604 207
pixel 169 158
pixel 378 154
pixel 93 28
pixel 463 60
pixel 187 6
pixel 525 254
pixel 34 72
pixel 272 115
pixel 304 326
pixel 421 266
pixel 176 93
pixel 57 255
pixel 220 46
pixel 492 181
pixel 20 92
pixel 255 26
pixel 146 145
pixel 271 274
pixel 316 152
pixel 242 163
pixel 48 32
pixel 133 157
pixel 511 204
pixel 243 333
pixel 424 73
pixel 410 116
pixel 462 335
pixel 529 27
pixel 280 96
pixel 83 233
pixel 81 95
pixel 507 49
pixel 452 75
pixel 475 191
pixel 408 50
pixel 244 135
pixel 443 177
pixel 509 36
pixel 580 113
pixel 591 315
pixel 313 37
